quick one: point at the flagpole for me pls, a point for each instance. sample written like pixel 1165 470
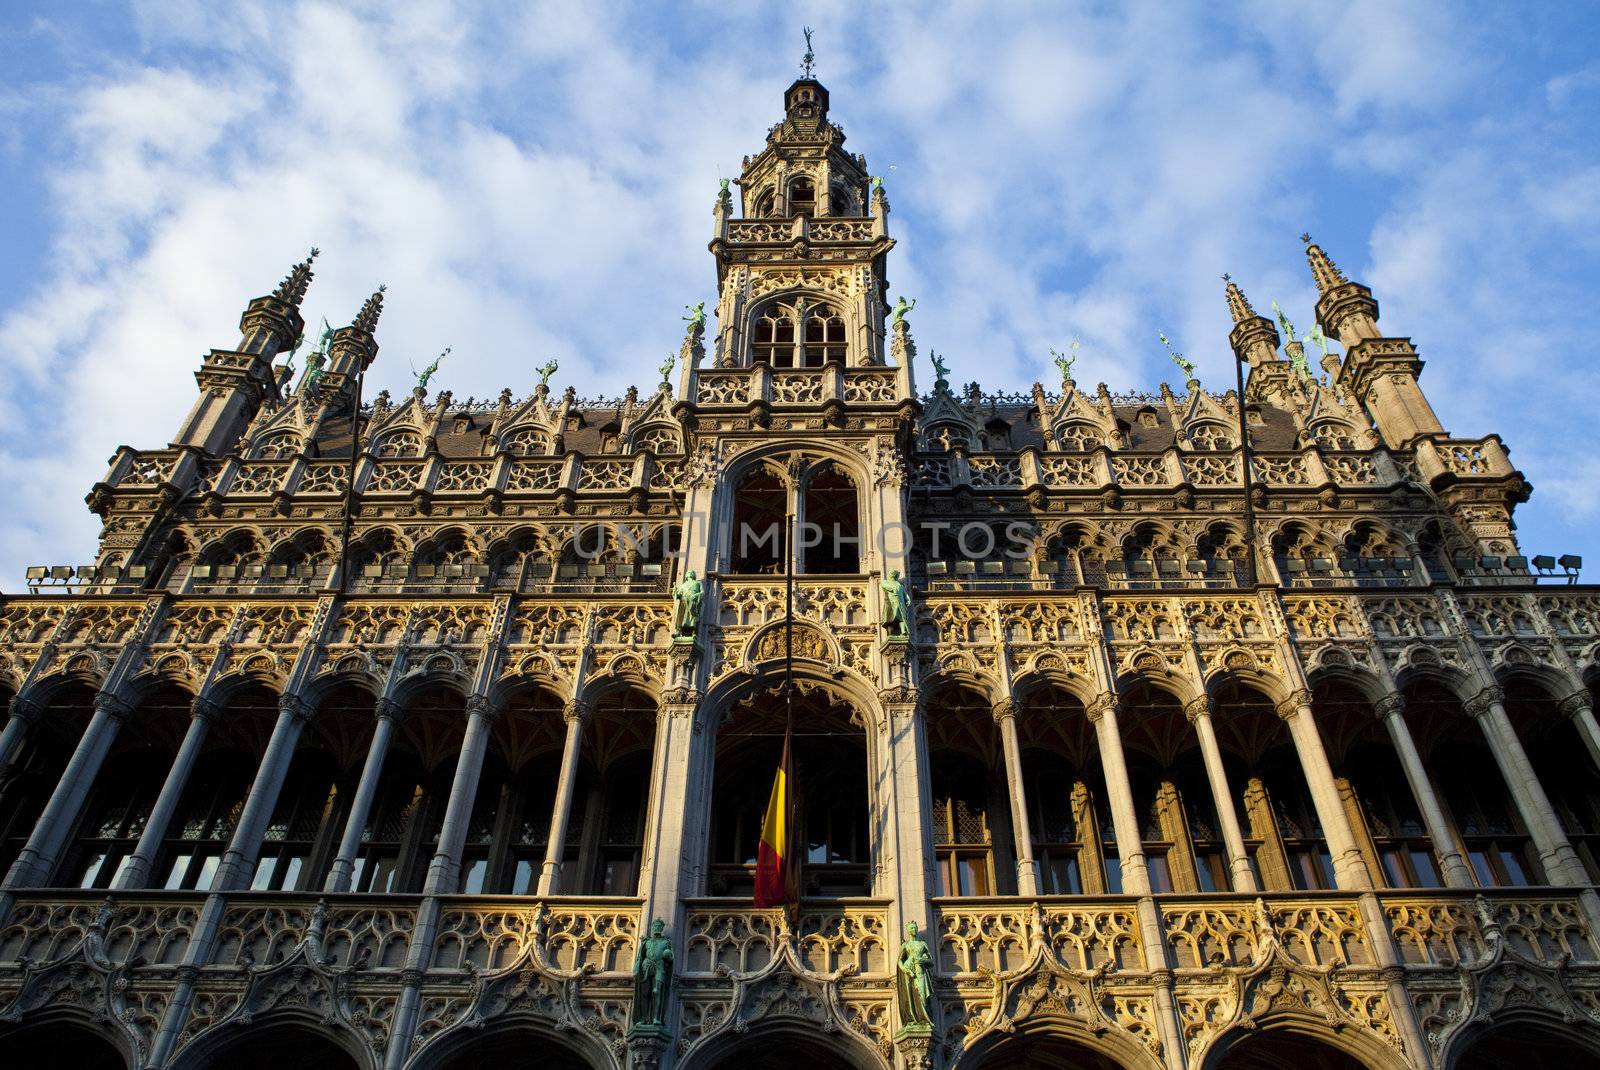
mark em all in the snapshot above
pixel 792 868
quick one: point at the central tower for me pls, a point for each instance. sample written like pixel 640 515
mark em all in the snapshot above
pixel 800 277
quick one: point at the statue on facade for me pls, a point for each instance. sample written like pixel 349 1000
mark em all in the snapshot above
pixel 896 606
pixel 1179 359
pixel 545 371
pixel 652 977
pixel 1283 323
pixel 914 980
pixel 666 369
pixel 1318 339
pixel 696 319
pixel 1065 361
pixel 901 307
pixel 1297 358
pixel 686 599
pixel 941 370
pixel 428 373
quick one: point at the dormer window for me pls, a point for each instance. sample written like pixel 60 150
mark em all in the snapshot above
pixel 802 197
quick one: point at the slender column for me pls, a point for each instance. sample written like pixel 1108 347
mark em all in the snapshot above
pixel 390 714
pixel 136 874
pixel 1576 706
pixel 1453 869
pixel 240 859
pixel 1561 863
pixel 1005 715
pixel 577 714
pixel 1124 819
pixel 38 857
pixel 444 872
pixel 24 715
pixel 1244 874
pixel 1349 868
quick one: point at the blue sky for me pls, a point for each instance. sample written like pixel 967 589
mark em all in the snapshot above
pixel 536 180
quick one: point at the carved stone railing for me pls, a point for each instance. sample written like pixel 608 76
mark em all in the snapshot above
pixel 1232 931
pixel 847 934
pixel 570 934
pixel 1434 930
pixel 997 935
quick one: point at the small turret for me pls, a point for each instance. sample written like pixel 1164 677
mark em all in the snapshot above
pixel 354 348
pixel 1254 339
pixel 1345 310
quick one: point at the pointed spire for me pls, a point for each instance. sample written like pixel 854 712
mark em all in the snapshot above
pixel 1323 269
pixel 1238 303
pixel 367 318
pixel 292 290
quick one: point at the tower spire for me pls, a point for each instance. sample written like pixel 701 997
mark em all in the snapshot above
pixel 1254 339
pixel 809 60
pixel 292 290
pixel 1323 270
pixel 367 318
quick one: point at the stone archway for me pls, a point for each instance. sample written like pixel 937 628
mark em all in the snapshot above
pixel 61 1044
pixel 513 1049
pixel 783 1048
pixel 1529 1045
pixel 274 1046
pixel 1044 1051
pixel 1274 1049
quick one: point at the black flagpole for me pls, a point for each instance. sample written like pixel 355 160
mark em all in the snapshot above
pixel 792 868
pixel 350 489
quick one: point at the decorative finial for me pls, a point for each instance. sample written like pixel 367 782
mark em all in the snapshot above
pixel 292 290
pixel 367 318
pixel 427 373
pixel 1238 304
pixel 1305 236
pixel 809 59
pixel 1324 271
pixel 1179 359
pixel 548 369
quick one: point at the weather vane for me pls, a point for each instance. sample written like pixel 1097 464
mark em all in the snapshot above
pixel 810 58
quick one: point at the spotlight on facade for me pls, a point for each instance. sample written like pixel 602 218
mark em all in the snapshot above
pixel 1572 563
pixel 1545 564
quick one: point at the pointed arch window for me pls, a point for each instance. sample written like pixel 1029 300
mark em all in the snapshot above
pixel 802 197
pixel 774 337
pixel 765 201
pixel 821 335
pixel 824 341
pixel 832 520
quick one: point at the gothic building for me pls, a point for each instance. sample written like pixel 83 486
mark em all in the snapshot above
pixel 381 730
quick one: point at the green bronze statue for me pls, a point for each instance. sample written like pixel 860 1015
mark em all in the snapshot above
pixel 652 977
pixel 666 368
pixel 1179 359
pixel 901 307
pixel 549 368
pixel 1065 361
pixel 1283 323
pixel 696 319
pixel 686 599
pixel 896 606
pixel 428 373
pixel 941 370
pixel 914 980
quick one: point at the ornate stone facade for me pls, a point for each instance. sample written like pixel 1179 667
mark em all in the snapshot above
pixel 372 739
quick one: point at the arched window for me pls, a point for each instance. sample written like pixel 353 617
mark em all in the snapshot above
pixel 824 340
pixel 759 509
pixel 765 201
pixel 1210 437
pixel 774 337
pixel 802 197
pixel 832 534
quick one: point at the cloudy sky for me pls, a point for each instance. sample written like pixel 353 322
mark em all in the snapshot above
pixel 536 181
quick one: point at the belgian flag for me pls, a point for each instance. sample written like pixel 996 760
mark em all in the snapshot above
pixel 777 876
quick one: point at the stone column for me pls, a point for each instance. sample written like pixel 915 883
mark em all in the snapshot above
pixel 1561 863
pixel 444 872
pixel 577 714
pixel 1005 716
pixel 39 856
pixel 680 787
pixel 389 715
pixel 240 859
pixel 24 715
pixel 1124 818
pixel 1576 706
pixel 1453 869
pixel 905 805
pixel 136 874
pixel 1349 868
pixel 1244 874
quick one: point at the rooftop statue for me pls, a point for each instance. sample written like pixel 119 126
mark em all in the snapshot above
pixel 900 309
pixel 1179 359
pixel 896 606
pixel 686 599
pixel 696 319
pixel 1297 358
pixel 666 368
pixel 652 977
pixel 428 373
pixel 1283 323
pixel 1064 361
pixel 548 369
pixel 941 370
pixel 914 980
pixel 1317 338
